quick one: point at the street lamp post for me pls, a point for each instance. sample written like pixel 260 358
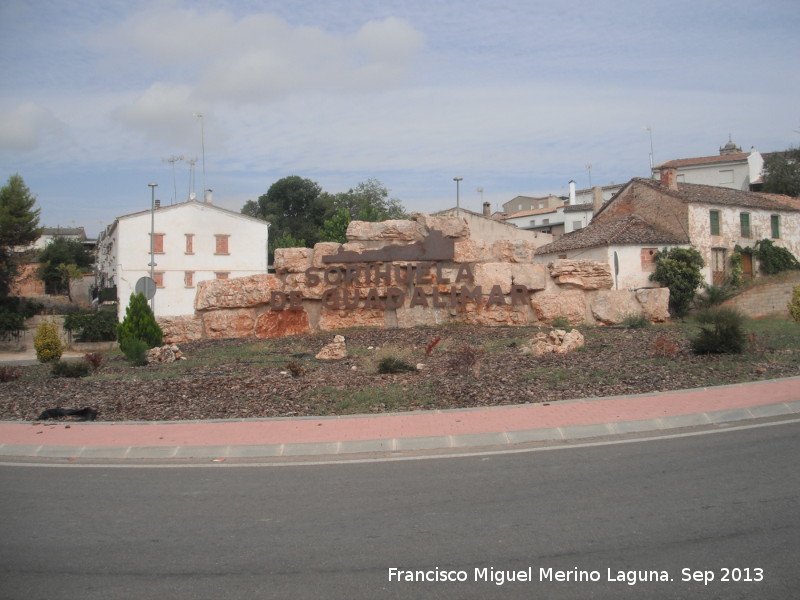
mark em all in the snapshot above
pixel 458 180
pixel 153 240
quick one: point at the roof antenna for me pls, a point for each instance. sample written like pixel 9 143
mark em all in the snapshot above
pixel 173 159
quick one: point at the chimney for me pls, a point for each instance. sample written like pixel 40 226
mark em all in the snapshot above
pixel 207 197
pixel 597 199
pixel 669 178
pixel 572 199
pixel 487 209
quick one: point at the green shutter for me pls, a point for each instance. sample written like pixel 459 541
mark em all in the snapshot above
pixel 776 226
pixel 744 220
pixel 714 222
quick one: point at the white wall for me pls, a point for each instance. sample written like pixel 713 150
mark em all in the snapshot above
pixel 247 252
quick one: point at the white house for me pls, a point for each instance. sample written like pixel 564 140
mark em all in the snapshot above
pixel 732 168
pixel 193 241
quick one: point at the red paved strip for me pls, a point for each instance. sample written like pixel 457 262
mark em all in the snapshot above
pixel 402 425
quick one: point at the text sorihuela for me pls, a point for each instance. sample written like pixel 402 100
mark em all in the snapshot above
pixel 346 284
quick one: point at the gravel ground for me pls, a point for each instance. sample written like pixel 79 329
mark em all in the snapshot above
pixel 467 367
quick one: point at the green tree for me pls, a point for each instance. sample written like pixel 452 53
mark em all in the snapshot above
pixel 781 173
pixel 63 260
pixel 139 324
pixel 679 270
pixel 19 226
pixel 368 201
pixel 294 206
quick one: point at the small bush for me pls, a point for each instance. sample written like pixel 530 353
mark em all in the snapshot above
pixel 94 360
pixel 721 332
pixel 714 295
pixel 47 343
pixel 635 322
pixel 74 368
pixel 560 322
pixel 392 365
pixel 295 368
pixel 679 269
pixel 664 348
pixel 139 324
pixel 466 359
pixel 100 326
pixel 135 352
pixel 794 304
pixel 9 374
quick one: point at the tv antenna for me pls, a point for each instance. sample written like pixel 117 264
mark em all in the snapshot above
pixel 172 160
pixel 589 168
pixel 480 191
pixel 192 162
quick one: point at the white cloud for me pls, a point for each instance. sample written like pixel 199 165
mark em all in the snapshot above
pixel 25 127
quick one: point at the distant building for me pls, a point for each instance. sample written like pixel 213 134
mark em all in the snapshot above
pixel 194 241
pixel 732 169
pixel 485 227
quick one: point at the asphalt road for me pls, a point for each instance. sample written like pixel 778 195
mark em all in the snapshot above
pixel 724 504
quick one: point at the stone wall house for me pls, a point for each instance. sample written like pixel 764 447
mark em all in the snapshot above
pixel 193 242
pixel 406 273
pixel 627 243
pixel 713 220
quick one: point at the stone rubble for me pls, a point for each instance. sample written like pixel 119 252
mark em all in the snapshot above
pixel 557 341
pixel 168 353
pixel 336 350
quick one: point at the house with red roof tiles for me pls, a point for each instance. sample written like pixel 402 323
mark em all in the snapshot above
pixel 646 216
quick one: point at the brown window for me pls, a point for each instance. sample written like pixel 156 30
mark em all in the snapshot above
pixel 189 243
pixel 158 277
pixel 158 243
pixel 222 244
pixel 222 275
pixel 188 278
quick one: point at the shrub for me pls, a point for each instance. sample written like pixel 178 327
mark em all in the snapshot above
pixel 679 270
pixel 466 359
pixel 139 324
pixel 9 374
pixel 664 348
pixel 94 360
pixel 635 322
pixel 135 352
pixel 47 343
pixel 100 326
pixel 74 368
pixel 721 332
pixel 560 322
pixel 391 365
pixel 714 295
pixel 774 259
pixel 295 368
pixel 794 304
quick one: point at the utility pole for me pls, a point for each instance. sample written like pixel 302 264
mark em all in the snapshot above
pixel 458 180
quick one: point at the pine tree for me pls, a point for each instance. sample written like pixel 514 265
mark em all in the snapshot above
pixel 139 324
pixel 19 226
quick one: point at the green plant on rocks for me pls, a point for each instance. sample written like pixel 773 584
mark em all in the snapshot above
pixel 47 343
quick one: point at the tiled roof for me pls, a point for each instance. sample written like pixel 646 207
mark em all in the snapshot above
pixel 629 230
pixel 703 160
pixel 72 231
pixel 578 207
pixel 694 193
pixel 790 201
pixel 530 213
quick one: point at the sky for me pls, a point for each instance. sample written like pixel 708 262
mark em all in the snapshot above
pixel 515 97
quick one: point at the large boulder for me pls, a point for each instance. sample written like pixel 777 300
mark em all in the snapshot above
pixel 585 274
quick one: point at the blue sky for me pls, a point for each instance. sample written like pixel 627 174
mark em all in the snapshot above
pixel 515 97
